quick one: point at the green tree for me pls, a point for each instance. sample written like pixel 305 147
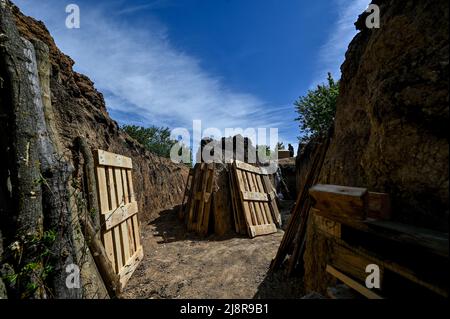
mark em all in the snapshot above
pixel 280 146
pixel 317 109
pixel 155 139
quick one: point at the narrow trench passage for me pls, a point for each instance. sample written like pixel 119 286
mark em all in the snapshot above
pixel 178 264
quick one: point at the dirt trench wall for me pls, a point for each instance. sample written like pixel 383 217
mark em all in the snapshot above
pixel 392 113
pixel 80 110
pixel 390 130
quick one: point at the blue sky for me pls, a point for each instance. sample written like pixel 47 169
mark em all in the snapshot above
pixel 229 63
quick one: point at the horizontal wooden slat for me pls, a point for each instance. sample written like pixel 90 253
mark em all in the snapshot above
pixel 115 160
pixel 260 230
pixel 352 283
pixel 250 168
pixel 253 196
pixel 433 241
pixel 325 225
pixel 129 268
pixel 352 264
pixel 115 217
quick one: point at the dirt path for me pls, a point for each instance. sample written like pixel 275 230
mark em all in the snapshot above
pixel 178 264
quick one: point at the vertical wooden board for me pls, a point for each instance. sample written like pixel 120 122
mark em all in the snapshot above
pixel 207 211
pixel 254 187
pixel 119 186
pixel 266 209
pixel 109 247
pixel 245 206
pixel 248 181
pixel 193 201
pixel 137 231
pixel 102 190
pixel 202 200
pixel 130 186
pixel 262 205
pixel 118 248
pixel 239 209
pixel 131 242
pixel 273 203
pixel 233 201
pixel 112 189
pixel 125 243
pixel 125 186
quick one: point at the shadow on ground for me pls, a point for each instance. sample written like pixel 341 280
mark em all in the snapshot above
pixel 171 229
pixel 277 285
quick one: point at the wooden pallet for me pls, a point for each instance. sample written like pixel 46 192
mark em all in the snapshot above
pixel 187 194
pixel 255 209
pixel 294 239
pixel 198 209
pixel 118 210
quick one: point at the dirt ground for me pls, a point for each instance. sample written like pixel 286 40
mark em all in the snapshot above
pixel 181 265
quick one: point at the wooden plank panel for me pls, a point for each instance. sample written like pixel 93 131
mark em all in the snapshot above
pixel 249 218
pixel 258 206
pixel 108 243
pixel 352 283
pixel 247 167
pixel 260 230
pixel 125 244
pixel 119 186
pixel 112 189
pixel 128 270
pixel 125 186
pixel 118 215
pixel 137 231
pixel 253 208
pixel 275 213
pixel 118 248
pixel 130 186
pixel 352 264
pixel 347 205
pixel 264 206
pixel 102 190
pixel 114 160
pixel 257 197
pixel 201 210
pixel 326 226
pixel 433 241
pixel 131 242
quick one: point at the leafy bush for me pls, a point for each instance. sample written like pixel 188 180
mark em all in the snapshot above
pixel 154 139
pixel 317 109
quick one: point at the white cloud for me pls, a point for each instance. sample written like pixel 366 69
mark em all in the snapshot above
pixel 141 73
pixel 332 53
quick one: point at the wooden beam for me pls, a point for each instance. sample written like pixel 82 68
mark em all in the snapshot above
pixel 347 205
pixel 261 230
pixel 432 241
pixel 118 215
pixel 128 269
pixel 352 283
pixel 115 160
pixel 326 226
pixel 249 168
pixel 252 196
pixel 353 264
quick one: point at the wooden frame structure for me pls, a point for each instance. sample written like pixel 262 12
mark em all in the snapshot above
pixel 120 231
pixel 254 201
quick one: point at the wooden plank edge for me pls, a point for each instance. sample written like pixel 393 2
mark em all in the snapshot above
pixel 105 158
pixel 130 267
pixel 352 283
